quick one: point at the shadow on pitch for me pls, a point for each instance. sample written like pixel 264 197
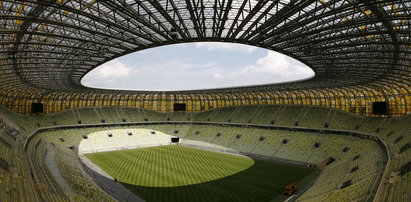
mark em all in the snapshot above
pixel 252 184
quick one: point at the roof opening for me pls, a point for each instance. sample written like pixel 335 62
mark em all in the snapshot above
pixel 194 66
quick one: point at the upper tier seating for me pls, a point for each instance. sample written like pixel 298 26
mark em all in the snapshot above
pixel 394 132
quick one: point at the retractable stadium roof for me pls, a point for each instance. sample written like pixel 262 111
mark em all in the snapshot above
pixel 47 46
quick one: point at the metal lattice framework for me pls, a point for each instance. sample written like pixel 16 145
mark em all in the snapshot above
pixel 359 50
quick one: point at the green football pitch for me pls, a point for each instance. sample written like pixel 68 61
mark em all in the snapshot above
pixel 178 173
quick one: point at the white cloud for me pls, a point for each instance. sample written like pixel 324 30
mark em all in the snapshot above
pixel 109 74
pixel 112 69
pixel 161 75
pixel 226 47
pixel 274 67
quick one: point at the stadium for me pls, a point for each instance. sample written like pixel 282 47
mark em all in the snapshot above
pixel 343 135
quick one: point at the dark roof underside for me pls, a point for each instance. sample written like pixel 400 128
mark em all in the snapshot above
pixel 48 46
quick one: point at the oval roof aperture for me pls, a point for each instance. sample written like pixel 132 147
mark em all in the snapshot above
pixel 194 66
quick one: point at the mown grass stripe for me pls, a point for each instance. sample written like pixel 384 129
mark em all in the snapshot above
pixel 177 173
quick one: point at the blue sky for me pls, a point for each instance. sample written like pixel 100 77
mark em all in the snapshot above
pixel 192 66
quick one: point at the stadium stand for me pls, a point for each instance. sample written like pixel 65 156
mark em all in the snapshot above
pixel 15 182
pixel 66 118
pixel 150 115
pixel 72 172
pixel 359 51
pixel 224 114
pixel 300 146
pixel 179 116
pixel 269 114
pixel 118 139
pixel 130 114
pixel 203 116
pixel 316 117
